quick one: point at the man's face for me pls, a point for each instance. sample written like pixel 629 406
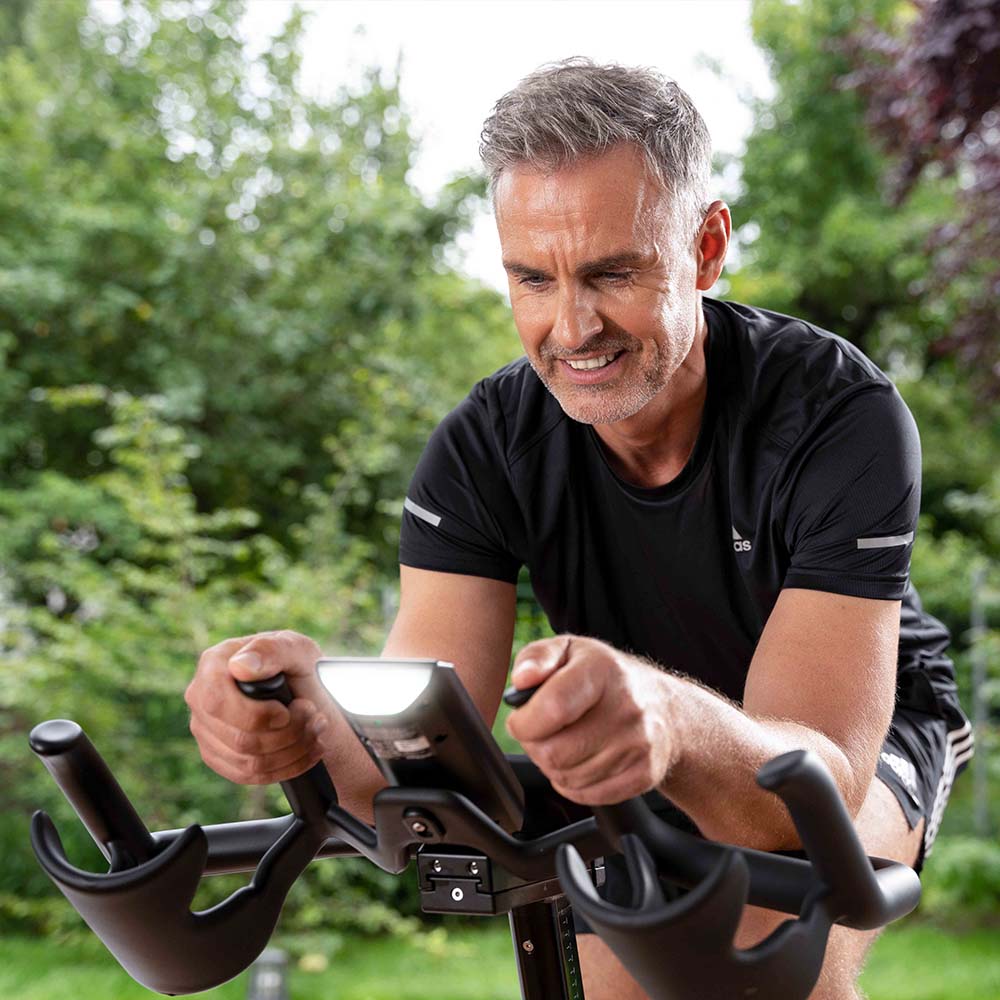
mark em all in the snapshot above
pixel 604 281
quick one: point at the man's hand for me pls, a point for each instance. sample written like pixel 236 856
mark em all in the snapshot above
pixel 259 742
pixel 600 727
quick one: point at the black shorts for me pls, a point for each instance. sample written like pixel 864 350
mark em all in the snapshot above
pixel 919 761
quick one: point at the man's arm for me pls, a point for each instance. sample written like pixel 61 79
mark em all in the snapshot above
pixel 822 678
pixel 606 725
pixel 465 619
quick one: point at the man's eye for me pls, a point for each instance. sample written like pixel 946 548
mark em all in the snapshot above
pixel 616 277
pixel 532 280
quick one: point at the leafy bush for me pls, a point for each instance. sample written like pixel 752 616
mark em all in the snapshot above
pixel 962 879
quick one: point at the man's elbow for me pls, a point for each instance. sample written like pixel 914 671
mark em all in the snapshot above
pixel 775 830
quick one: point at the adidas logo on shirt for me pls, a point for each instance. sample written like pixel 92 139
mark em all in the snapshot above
pixel 741 544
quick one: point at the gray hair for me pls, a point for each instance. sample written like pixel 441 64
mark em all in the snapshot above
pixel 571 110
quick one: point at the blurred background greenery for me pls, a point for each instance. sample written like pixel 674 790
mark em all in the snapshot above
pixel 228 323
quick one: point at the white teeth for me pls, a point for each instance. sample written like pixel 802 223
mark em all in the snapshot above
pixel 582 366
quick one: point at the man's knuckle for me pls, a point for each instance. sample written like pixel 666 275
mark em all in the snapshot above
pixel 209 655
pixel 551 757
pixel 262 644
pixel 245 741
pixel 296 640
pixel 209 700
pixel 632 714
pixel 559 778
pixel 221 650
pixel 550 714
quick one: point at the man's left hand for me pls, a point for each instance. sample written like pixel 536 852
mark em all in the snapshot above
pixel 600 726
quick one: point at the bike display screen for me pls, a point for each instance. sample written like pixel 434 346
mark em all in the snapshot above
pixel 419 725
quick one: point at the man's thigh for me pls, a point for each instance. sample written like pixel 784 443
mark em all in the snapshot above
pixel 883 830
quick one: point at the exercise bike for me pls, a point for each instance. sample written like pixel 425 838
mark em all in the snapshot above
pixel 489 836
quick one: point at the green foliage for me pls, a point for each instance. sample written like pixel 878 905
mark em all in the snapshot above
pixel 813 216
pixel 120 581
pixel 960 443
pixel 964 881
pixel 181 220
pixel 228 324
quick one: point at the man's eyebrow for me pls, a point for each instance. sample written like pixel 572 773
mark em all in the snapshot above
pixel 624 258
pixel 514 267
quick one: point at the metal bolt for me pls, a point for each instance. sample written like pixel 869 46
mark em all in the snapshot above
pixel 437 866
pixel 473 867
pixel 528 946
pixel 457 895
pixel 417 827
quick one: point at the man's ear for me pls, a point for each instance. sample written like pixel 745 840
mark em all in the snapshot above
pixel 713 244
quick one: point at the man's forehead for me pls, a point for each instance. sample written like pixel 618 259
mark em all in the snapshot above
pixel 621 176
pixel 612 202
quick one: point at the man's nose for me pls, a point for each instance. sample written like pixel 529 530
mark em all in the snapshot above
pixel 576 320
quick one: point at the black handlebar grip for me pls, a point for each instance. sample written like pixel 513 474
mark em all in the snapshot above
pixel 275 687
pixel 310 793
pixel 864 899
pixel 516 697
pixel 90 787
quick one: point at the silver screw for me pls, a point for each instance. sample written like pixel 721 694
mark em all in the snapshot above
pixel 418 827
pixel 457 894
pixel 528 946
pixel 473 867
pixel 437 866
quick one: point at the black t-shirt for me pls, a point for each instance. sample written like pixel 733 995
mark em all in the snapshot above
pixel 806 473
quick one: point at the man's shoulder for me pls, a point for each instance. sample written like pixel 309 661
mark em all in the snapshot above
pixel 514 402
pixel 786 372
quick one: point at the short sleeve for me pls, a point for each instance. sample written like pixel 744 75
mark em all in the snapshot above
pixel 460 514
pixel 853 498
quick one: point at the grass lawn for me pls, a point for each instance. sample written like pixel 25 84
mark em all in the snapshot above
pixel 913 962
pixel 921 962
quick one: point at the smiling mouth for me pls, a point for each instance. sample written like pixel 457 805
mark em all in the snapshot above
pixel 589 364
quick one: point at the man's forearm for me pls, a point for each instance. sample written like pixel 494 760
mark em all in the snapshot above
pixel 352 771
pixel 721 748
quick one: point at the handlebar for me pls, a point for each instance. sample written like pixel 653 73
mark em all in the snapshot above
pixel 141 907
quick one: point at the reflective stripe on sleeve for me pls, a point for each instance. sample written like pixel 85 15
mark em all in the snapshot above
pixel 417 511
pixel 887 542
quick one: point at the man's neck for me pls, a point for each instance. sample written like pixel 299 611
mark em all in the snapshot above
pixel 651 448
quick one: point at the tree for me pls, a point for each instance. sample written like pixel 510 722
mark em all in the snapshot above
pixel 227 325
pixel 181 221
pixel 932 88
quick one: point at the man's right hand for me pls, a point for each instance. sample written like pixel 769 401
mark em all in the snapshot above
pixel 259 742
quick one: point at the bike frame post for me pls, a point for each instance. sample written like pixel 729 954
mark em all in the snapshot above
pixel 548 964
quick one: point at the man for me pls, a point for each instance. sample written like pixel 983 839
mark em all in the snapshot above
pixel 716 504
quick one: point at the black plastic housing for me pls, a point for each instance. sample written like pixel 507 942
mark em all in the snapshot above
pixel 437 741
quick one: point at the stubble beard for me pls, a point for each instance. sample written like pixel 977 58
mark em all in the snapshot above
pixel 617 400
